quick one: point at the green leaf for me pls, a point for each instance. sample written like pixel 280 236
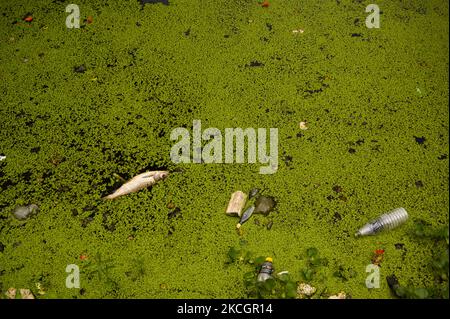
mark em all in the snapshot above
pixel 269 284
pixel 421 293
pixel 291 292
pixel 312 252
pixel 284 277
pixel 307 274
pixel 233 254
pixel 400 291
pixel 259 260
pixel 351 273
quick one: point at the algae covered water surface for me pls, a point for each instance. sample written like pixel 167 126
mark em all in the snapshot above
pixel 83 109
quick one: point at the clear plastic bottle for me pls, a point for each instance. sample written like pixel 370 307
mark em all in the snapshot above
pixel 385 222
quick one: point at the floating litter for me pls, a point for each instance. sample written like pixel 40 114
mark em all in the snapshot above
pixel 386 221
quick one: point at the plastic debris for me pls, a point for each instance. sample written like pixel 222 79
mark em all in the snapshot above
pixel 24 212
pixel 253 192
pixel 298 31
pixel 340 295
pixel 236 204
pixel 247 214
pixel 303 125
pixel 11 293
pixel 386 221
pixel 26 294
pixel 40 288
pixel 266 270
pixel 2 158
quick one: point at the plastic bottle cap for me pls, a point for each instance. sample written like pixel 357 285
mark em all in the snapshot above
pixel 269 259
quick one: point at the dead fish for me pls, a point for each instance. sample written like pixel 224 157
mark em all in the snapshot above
pixel 139 182
pixel 247 214
pixel 23 212
pixel 264 204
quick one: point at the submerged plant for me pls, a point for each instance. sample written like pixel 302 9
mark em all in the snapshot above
pixel 439 265
pixel 100 268
pixel 138 268
pixel 313 265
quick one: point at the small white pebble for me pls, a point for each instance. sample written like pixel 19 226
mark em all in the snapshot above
pixel 303 125
pixel 305 290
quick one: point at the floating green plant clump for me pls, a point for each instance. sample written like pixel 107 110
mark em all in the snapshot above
pixel 314 263
pixel 439 265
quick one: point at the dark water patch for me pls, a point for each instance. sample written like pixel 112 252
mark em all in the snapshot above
pixel 254 63
pixel 337 189
pixel 287 159
pixel 4 185
pixel 86 221
pixel 175 213
pixel 144 2
pixel 420 140
pixel 26 176
pixel 79 69
pixel 337 217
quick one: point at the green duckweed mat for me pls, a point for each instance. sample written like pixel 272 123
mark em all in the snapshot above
pixel 376 105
